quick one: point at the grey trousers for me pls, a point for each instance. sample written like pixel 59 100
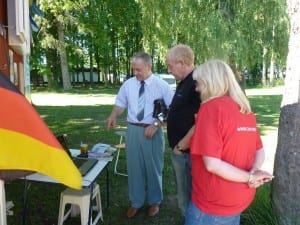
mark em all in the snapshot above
pixel 145 159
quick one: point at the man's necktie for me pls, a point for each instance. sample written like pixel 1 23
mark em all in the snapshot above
pixel 141 102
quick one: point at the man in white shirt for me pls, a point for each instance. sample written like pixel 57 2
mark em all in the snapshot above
pixel 145 144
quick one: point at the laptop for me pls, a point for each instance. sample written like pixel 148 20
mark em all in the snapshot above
pixel 84 165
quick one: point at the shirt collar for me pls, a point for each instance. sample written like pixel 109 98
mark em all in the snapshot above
pixel 148 81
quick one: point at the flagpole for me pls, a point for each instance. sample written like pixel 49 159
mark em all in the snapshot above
pixel 2 204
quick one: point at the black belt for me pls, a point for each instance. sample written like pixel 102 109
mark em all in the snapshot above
pixel 140 124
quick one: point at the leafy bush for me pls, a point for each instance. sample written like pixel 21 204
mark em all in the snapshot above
pixel 260 211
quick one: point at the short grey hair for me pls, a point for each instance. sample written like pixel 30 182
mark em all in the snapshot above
pixel 143 56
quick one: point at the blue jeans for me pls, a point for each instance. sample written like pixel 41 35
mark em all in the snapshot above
pixel 182 169
pixel 195 216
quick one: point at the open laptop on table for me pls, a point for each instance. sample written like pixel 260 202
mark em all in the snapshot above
pixel 84 165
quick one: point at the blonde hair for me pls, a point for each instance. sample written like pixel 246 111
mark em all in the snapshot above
pixel 182 53
pixel 217 79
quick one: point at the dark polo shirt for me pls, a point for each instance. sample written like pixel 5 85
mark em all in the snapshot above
pixel 184 106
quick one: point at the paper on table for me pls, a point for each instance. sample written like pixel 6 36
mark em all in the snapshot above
pixel 100 150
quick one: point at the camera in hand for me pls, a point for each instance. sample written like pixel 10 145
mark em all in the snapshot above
pixel 160 111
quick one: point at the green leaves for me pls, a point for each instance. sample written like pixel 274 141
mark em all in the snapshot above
pixel 110 31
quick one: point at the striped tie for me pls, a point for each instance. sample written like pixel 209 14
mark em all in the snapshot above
pixel 141 102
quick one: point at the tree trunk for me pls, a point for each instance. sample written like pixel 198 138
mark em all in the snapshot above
pixel 272 62
pixel 113 56
pixel 271 75
pixel 91 65
pixel 106 66
pixel 286 185
pixel 97 59
pixel 63 58
pixel 77 74
pixel 264 68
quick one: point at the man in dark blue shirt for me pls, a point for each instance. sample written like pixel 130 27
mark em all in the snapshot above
pixel 181 119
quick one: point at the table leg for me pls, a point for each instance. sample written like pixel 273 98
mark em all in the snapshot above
pixel 25 201
pixel 91 204
pixel 107 187
pixel 3 220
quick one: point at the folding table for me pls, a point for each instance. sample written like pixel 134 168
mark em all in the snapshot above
pixel 87 181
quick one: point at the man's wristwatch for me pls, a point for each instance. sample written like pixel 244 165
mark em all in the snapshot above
pixel 156 123
pixel 178 148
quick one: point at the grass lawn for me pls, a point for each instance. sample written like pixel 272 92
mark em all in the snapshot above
pixel 85 122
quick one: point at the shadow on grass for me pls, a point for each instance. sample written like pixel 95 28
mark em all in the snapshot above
pixel 81 123
pixel 266 109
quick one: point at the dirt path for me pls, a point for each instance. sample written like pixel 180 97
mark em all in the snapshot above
pixel 270 139
pixel 61 99
pixel 270 143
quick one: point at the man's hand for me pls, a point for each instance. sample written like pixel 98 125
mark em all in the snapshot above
pixel 150 131
pixel 110 122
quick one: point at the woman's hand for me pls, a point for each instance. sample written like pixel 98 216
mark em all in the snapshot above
pixel 258 178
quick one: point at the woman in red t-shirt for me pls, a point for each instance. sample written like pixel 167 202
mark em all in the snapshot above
pixel 226 149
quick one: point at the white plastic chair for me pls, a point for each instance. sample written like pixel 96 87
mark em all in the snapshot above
pixel 120 147
pixel 80 198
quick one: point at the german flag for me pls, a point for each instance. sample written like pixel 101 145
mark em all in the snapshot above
pixel 26 142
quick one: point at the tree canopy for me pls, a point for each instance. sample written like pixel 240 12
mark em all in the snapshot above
pixel 102 35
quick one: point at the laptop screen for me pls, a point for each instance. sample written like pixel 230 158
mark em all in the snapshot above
pixel 84 165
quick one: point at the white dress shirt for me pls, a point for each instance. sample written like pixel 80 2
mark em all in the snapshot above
pixel 128 95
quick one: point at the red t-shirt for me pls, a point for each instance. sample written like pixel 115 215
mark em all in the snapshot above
pixel 223 132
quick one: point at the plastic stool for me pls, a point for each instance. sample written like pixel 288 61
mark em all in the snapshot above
pixel 120 146
pixel 82 199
